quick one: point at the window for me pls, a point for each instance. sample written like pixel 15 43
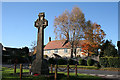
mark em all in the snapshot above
pixel 48 51
pixel 56 51
pixel 65 50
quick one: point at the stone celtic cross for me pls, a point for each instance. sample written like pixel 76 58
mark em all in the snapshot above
pixel 39 65
pixel 40 23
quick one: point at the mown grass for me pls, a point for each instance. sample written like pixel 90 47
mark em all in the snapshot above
pixel 79 66
pixel 91 67
pixel 7 74
pixel 110 69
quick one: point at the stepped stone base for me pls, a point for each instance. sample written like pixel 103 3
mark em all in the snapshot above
pixel 40 67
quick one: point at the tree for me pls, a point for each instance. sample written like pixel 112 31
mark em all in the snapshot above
pixel 25 52
pixel 69 26
pixel 94 37
pixel 33 45
pixel 108 49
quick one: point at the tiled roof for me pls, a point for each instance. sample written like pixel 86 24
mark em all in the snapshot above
pixel 57 44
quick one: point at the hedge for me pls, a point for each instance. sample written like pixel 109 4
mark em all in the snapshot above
pixel 62 62
pixel 72 62
pixel 90 62
pixel 110 62
pixel 81 62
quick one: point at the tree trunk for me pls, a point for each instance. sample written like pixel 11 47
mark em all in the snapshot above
pixel 71 52
pixel 75 52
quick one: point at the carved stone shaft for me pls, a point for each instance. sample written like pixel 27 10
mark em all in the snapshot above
pixel 39 65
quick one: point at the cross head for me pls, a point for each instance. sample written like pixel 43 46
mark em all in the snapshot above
pixel 41 21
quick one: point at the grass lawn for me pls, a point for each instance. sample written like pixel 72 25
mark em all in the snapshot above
pixel 79 66
pixel 90 67
pixel 7 74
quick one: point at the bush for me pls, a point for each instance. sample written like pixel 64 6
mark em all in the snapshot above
pixel 81 61
pixel 78 56
pixel 45 56
pixel 90 62
pixel 97 65
pixel 52 61
pixel 110 62
pixel 114 62
pixel 104 62
pixel 72 62
pixel 62 62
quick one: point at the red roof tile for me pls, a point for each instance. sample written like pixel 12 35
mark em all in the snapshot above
pixel 57 44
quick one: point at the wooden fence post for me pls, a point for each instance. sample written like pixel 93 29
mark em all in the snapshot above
pixel 29 68
pixel 15 68
pixel 68 70
pixel 51 69
pixel 55 72
pixel 20 71
pixel 76 70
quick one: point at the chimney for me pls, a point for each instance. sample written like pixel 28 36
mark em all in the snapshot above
pixel 49 39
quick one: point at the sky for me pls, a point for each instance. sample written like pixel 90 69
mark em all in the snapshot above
pixel 18 19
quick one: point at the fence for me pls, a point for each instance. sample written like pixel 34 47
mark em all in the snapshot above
pixel 68 68
pixel 56 68
pixel 21 69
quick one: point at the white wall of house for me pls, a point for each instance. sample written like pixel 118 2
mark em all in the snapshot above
pixel 63 52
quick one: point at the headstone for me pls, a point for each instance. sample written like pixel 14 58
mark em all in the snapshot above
pixel 118 45
pixel 40 65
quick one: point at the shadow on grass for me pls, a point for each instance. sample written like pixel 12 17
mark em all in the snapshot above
pixel 60 76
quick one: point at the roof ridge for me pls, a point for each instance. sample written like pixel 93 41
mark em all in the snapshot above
pixel 57 40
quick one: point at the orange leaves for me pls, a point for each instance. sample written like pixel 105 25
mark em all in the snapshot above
pixel 88 47
pixel 84 54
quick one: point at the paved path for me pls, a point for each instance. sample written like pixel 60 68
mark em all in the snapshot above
pixel 115 75
pixel 105 74
pixel 99 72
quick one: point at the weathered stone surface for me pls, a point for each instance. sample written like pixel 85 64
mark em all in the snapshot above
pixel 39 65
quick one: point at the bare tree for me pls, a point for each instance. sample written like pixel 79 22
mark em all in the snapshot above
pixel 69 26
pixel 33 45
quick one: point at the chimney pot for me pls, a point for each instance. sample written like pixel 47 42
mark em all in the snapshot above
pixel 49 39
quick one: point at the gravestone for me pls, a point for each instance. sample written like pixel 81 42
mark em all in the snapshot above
pixel 118 45
pixel 40 65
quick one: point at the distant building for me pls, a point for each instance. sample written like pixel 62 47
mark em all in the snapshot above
pixel 14 55
pixel 55 48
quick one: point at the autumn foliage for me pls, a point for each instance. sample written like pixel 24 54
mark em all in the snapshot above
pixel 88 47
pixel 73 27
pixel 94 37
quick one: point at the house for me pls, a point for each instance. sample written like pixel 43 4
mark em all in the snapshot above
pixel 56 47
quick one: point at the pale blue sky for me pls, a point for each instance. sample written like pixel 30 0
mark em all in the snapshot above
pixel 18 19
